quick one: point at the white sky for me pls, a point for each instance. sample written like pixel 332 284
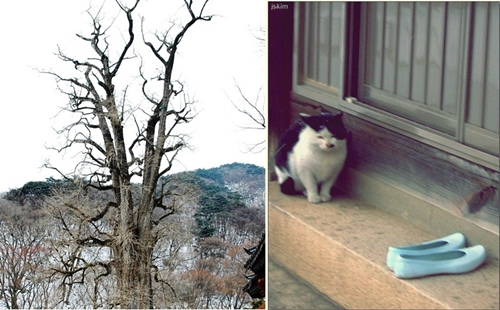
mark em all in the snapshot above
pixel 211 55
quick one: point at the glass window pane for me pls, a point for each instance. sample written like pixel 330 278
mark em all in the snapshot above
pixel 322 29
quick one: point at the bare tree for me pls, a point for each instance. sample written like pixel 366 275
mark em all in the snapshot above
pixel 111 158
pixel 253 110
pixel 22 256
pixel 252 107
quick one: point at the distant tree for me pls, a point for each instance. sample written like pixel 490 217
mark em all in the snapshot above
pixel 215 280
pixel 23 256
pixel 97 96
pixel 247 222
pixel 252 106
pixel 253 109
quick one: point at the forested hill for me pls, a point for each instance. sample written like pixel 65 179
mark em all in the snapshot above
pixel 246 180
pixel 233 193
pixel 206 219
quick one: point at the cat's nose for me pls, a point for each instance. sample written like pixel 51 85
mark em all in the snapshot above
pixel 330 145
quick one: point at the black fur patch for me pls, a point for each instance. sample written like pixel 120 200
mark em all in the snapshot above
pixel 286 143
pixel 331 122
pixel 288 187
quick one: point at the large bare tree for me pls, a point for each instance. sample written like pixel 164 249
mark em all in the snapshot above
pixel 111 158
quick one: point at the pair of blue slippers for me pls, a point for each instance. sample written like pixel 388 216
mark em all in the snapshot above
pixel 447 255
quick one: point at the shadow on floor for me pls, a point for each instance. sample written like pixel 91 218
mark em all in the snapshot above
pixel 288 291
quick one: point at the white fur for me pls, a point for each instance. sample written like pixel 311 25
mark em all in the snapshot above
pixel 314 162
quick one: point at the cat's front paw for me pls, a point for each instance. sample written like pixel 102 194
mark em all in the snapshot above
pixel 314 198
pixel 325 197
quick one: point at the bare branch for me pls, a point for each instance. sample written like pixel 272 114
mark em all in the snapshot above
pixel 255 113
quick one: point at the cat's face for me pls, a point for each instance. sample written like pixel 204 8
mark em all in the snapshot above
pixel 326 140
pixel 328 128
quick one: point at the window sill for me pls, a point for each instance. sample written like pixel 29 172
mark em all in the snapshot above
pixel 418 132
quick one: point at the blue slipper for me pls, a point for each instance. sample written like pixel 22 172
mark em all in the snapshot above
pixel 453 241
pixel 452 261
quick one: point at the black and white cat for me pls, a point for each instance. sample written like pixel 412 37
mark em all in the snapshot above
pixel 310 156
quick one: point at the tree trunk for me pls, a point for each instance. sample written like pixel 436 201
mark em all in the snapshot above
pixel 134 276
pixel 134 248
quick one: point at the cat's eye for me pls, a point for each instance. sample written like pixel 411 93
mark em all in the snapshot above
pixel 321 137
